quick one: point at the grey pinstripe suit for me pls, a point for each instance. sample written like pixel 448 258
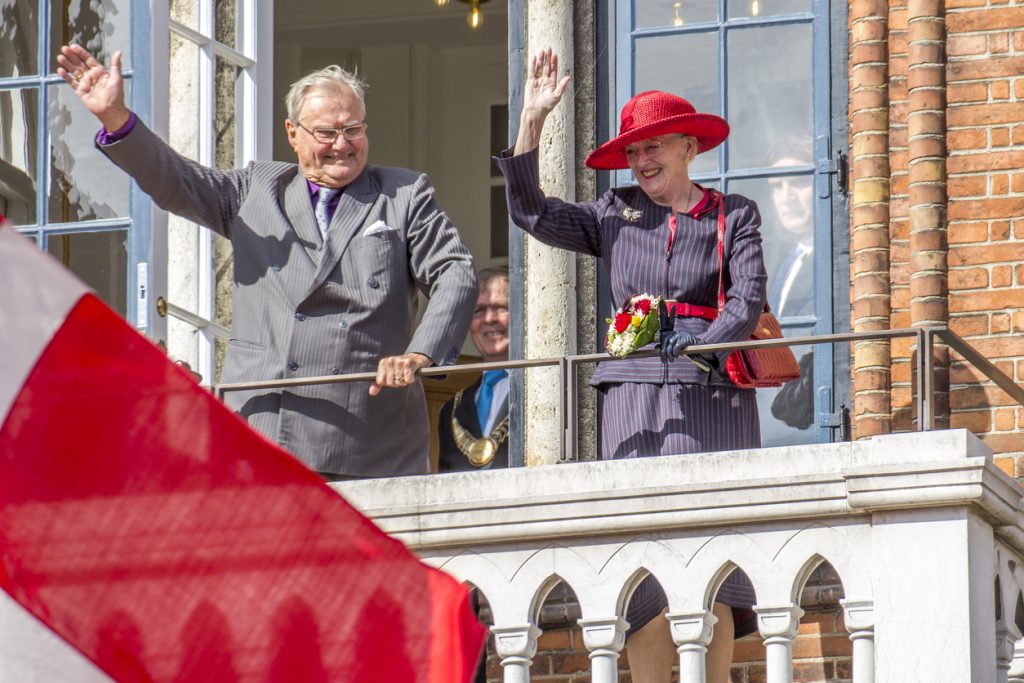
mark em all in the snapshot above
pixel 305 308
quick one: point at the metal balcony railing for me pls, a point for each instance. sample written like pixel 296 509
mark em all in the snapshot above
pixel 927 338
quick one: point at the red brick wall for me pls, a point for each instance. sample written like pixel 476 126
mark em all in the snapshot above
pixel 967 58
pixel 985 77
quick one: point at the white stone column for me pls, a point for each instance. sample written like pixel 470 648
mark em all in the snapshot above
pixel 859 616
pixel 779 626
pixel 516 645
pixel 691 632
pixel 550 273
pixel 604 639
pixel 1007 635
pixel 919 602
pixel 1016 672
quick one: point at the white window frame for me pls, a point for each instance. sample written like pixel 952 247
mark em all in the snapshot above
pixel 253 134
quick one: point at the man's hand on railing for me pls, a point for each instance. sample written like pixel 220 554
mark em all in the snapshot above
pixel 398 371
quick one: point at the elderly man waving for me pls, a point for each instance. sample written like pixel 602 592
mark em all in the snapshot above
pixel 329 256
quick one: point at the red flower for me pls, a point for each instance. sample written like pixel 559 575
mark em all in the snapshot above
pixel 622 321
pixel 643 307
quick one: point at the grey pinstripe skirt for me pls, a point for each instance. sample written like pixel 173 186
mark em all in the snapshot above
pixel 640 420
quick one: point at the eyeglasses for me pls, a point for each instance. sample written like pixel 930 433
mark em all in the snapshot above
pixel 648 147
pixel 353 131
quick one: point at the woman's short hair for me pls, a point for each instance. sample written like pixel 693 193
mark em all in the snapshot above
pixel 485 275
pixel 331 78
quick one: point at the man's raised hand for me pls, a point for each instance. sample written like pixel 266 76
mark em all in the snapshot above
pixel 101 90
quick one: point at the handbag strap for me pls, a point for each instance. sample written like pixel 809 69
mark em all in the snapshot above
pixel 720 201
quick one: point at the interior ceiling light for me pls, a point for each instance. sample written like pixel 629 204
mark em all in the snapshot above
pixel 475 17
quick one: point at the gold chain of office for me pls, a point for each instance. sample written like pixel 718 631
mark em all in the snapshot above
pixel 480 451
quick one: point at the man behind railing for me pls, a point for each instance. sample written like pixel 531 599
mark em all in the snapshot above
pixel 330 254
pixel 473 427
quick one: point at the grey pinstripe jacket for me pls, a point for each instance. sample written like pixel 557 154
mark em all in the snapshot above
pixel 304 308
pixel 634 252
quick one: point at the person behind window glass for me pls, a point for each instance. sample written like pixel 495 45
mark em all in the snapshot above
pixel 791 287
pixel 330 254
pixel 659 237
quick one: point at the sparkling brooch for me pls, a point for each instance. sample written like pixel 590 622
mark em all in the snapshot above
pixel 631 215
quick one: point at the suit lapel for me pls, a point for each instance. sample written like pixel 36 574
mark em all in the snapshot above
pixel 466 414
pixel 353 207
pixel 300 213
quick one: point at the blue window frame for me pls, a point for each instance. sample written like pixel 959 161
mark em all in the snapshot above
pixel 766 66
pixel 55 186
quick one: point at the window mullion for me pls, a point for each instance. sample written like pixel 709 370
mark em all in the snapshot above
pixel 206 152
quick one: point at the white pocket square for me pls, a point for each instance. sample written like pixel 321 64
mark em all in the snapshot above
pixel 377 227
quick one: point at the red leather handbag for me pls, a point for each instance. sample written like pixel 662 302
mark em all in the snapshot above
pixel 753 368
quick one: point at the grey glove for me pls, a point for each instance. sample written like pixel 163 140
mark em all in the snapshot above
pixel 673 342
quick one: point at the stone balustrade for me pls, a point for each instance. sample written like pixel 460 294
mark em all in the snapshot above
pixel 922 529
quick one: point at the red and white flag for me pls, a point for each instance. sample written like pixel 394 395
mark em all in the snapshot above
pixel 149 528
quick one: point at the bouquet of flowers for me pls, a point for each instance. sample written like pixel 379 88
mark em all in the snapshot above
pixel 635 325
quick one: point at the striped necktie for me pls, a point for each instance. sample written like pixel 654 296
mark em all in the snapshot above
pixel 322 211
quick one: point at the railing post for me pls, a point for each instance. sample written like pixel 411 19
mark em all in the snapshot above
pixel 516 645
pixel 563 407
pixel 859 616
pixel 919 369
pixel 778 627
pixel 604 639
pixel 928 382
pixel 691 632
pixel 570 437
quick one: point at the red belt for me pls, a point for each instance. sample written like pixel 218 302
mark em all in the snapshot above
pixel 682 310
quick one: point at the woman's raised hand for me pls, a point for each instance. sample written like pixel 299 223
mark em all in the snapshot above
pixel 542 93
pixel 101 90
pixel 543 89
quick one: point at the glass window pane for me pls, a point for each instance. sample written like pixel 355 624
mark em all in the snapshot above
pixel 770 104
pixel 743 9
pixel 186 12
pixel 183 108
pixel 18 141
pixel 698 82
pixel 84 184
pixel 98 258
pixel 787 413
pixel 650 13
pixel 101 26
pixel 499 222
pixel 787 235
pixel 226 104
pixel 19 38
pixel 227 22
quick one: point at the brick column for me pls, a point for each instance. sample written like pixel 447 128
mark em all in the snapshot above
pixel 869 227
pixel 926 128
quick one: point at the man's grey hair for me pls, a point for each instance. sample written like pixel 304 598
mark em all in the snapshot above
pixel 485 275
pixel 329 79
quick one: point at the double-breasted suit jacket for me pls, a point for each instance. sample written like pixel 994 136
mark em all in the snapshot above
pixel 631 234
pixel 450 458
pixel 305 307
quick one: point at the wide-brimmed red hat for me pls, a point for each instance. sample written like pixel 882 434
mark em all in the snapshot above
pixel 653 113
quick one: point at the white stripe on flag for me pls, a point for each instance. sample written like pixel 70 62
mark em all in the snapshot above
pixel 36 294
pixel 32 653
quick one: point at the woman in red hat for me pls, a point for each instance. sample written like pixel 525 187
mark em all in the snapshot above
pixel 658 237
